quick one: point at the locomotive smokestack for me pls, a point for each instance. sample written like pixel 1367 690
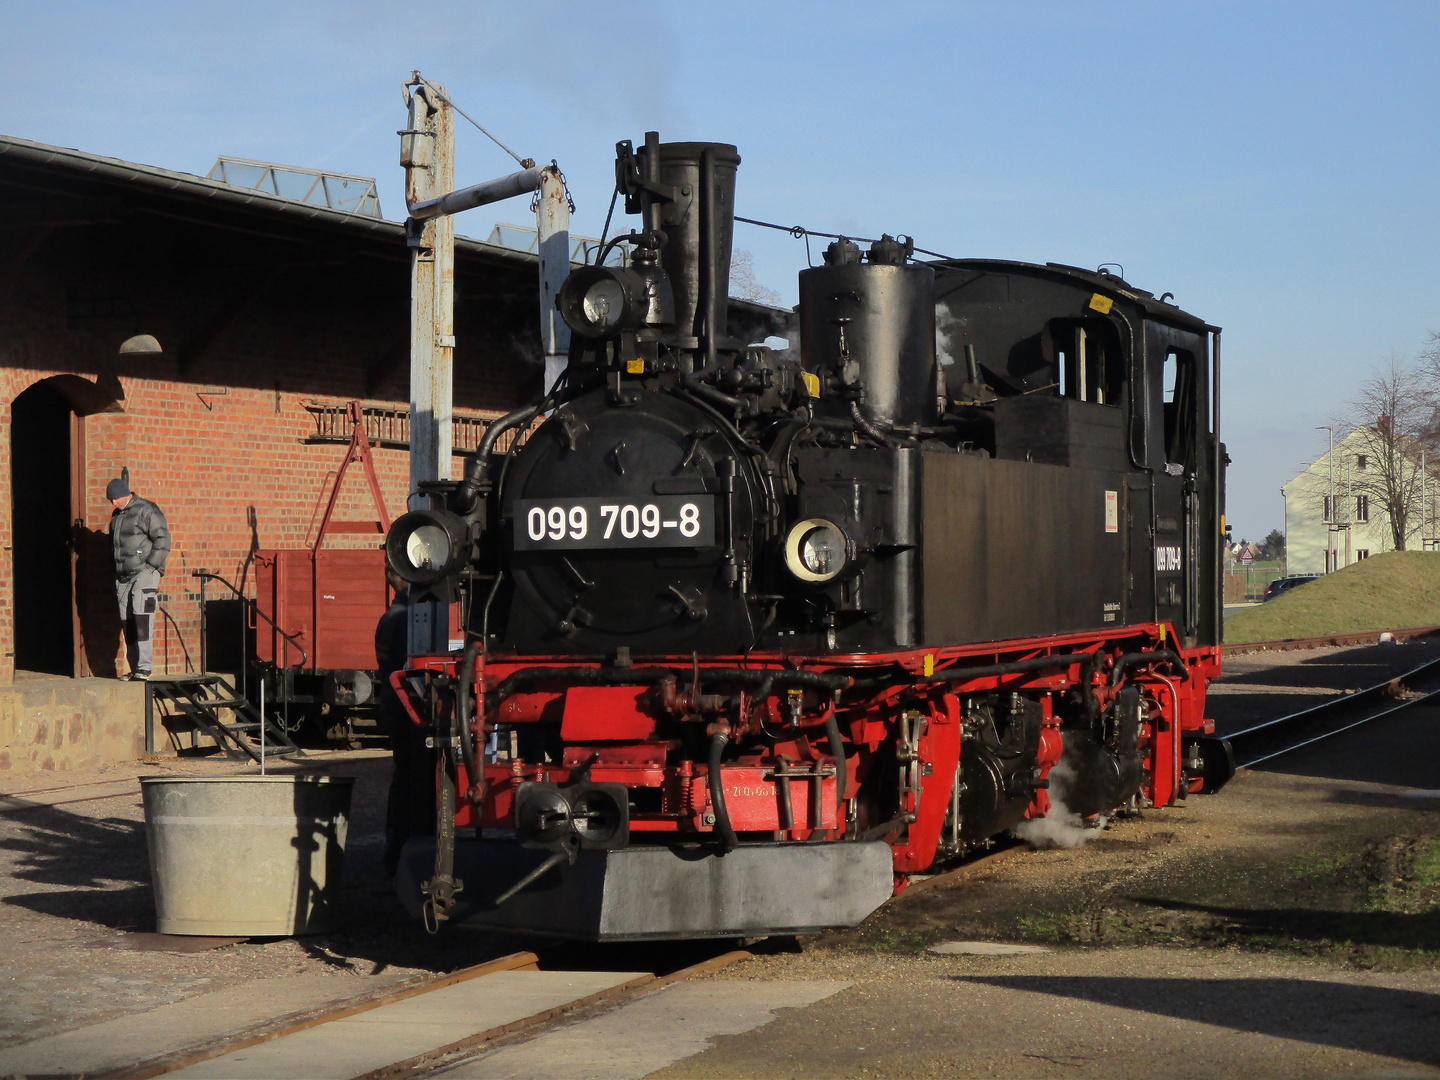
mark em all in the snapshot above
pixel 689 193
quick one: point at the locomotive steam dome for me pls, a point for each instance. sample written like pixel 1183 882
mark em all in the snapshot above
pixel 870 327
pixel 619 529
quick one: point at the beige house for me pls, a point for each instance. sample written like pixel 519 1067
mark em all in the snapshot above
pixel 1333 519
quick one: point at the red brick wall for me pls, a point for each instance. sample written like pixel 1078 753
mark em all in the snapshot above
pixel 223 432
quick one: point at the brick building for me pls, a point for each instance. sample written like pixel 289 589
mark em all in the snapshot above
pixel 269 312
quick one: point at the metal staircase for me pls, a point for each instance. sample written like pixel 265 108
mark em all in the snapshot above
pixel 201 704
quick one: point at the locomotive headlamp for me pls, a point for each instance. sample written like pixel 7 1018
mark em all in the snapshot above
pixel 424 546
pixel 601 301
pixel 815 550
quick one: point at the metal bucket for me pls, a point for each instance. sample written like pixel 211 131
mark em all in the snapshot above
pixel 252 856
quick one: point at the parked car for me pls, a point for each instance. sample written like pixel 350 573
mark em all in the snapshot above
pixel 1284 584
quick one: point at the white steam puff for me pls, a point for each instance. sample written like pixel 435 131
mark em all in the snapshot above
pixel 1061 827
pixel 946 326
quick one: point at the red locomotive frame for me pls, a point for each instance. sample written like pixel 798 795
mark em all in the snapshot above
pixel 909 701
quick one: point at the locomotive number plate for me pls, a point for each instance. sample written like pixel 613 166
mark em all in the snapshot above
pixel 659 521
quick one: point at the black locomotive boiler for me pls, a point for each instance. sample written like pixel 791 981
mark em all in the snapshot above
pixel 754 636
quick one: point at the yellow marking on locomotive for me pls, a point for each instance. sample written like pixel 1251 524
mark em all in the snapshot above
pixel 1102 304
pixel 812 383
pixel 635 367
pixel 929 664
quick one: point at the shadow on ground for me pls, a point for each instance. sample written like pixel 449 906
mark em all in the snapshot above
pixel 1370 1019
pixel 96 871
pixel 1418 931
pixel 100 865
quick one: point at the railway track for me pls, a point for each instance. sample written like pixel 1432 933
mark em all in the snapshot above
pixel 513 989
pixel 1264 742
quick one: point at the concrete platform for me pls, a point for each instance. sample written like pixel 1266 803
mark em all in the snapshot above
pixel 359 1044
pixel 128 1039
pixel 648 1034
pixel 49 723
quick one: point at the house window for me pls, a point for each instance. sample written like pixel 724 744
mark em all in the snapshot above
pixel 1361 460
pixel 1362 508
pixel 1362 553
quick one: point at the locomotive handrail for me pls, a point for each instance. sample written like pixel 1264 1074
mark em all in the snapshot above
pixel 206 575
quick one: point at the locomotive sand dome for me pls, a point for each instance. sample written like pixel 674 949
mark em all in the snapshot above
pixel 753 637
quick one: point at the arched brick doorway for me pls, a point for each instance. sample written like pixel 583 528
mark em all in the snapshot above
pixel 47 501
pixel 41 432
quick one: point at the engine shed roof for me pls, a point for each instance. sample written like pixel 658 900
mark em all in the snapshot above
pixel 43 185
pixel 1107 284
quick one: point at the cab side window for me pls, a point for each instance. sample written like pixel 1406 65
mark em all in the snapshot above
pixel 1087 358
pixel 1178 390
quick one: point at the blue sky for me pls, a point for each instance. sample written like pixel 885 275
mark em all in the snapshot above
pixel 1273 165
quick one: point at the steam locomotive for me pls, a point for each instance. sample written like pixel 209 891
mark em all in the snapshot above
pixel 753 637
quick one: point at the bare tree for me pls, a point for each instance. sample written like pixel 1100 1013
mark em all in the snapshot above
pixel 743 285
pixel 1393 422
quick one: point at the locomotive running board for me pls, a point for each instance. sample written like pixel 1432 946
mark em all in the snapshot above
pixel 647 892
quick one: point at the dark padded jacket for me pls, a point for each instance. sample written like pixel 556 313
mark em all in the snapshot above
pixel 139 538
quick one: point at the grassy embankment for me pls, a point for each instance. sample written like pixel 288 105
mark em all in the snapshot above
pixel 1387 592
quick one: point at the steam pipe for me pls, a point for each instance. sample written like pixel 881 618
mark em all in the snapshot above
pixel 865 425
pixel 505 187
pixel 729 841
pixel 842 771
pixel 468 493
pixel 1155 656
pixel 1014 667
pixel 525 678
pixel 708 231
pixel 462 710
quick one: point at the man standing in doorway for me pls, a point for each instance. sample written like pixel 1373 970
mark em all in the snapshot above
pixel 140 542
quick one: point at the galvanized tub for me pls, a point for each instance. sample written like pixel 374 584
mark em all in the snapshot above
pixel 252 856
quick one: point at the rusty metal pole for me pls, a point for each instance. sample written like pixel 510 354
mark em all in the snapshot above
pixel 427 152
pixel 552 220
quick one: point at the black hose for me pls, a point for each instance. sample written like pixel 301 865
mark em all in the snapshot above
pixel 728 840
pixel 842 772
pixel 1155 656
pixel 462 711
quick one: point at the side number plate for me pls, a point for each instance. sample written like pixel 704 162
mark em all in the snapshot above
pixel 659 521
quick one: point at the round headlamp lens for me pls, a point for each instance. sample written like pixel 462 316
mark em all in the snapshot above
pixel 822 551
pixel 428 548
pixel 604 303
pixel 815 550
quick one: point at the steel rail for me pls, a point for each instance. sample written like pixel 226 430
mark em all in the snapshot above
pixel 439 1056
pixel 443 1058
pixel 1265 742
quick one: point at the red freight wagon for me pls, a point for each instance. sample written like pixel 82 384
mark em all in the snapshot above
pixel 316 610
